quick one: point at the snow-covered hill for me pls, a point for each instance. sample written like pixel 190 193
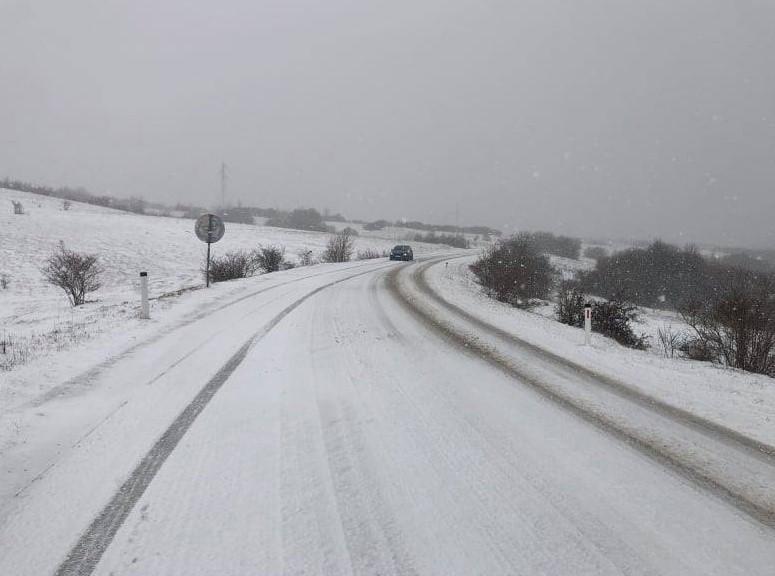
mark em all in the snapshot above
pixel 36 319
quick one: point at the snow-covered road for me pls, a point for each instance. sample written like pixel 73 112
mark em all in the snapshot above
pixel 330 429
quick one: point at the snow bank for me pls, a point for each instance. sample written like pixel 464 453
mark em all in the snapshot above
pixel 739 400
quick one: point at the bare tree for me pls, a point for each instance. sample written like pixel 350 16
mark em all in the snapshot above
pixel 737 327
pixel 671 341
pixel 339 247
pixel 77 274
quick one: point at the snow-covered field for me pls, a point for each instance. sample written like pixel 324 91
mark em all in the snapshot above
pixel 345 419
pixel 36 320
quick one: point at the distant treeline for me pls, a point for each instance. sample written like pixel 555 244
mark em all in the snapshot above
pixel 448 228
pixel 666 276
pixel 454 240
pixel 753 260
pixel 134 204
pixel 549 243
pixel 299 219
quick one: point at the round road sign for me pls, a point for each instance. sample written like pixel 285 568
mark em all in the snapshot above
pixel 209 228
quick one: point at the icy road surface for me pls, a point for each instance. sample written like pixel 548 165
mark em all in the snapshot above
pixel 326 424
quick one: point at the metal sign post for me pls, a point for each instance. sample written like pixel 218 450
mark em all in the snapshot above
pixel 587 323
pixel 209 228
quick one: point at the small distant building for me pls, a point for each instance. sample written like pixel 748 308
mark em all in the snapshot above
pixel 17 207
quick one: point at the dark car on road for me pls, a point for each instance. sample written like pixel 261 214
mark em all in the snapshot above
pixel 402 252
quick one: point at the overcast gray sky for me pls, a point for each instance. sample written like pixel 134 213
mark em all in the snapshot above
pixel 595 117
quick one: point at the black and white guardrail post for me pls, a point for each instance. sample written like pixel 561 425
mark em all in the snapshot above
pixel 588 323
pixel 145 311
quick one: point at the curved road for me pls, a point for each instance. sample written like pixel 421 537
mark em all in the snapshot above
pixel 342 433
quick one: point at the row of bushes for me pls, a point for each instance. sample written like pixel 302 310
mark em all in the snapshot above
pixel 730 312
pixel 243 264
pixel 658 276
pixel 518 271
pixel 78 274
pixel 665 276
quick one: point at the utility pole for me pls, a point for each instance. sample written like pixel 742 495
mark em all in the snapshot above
pixel 223 186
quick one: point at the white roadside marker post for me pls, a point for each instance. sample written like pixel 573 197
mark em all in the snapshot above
pixel 145 311
pixel 587 324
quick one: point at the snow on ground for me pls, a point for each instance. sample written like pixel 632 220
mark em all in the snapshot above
pixel 351 440
pixel 39 327
pixel 739 400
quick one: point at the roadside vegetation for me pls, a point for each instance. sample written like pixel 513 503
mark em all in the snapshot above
pixel 612 318
pixel 340 247
pixel 371 254
pixel 244 264
pixel 515 271
pixel 75 273
pixel 270 258
pixel 727 304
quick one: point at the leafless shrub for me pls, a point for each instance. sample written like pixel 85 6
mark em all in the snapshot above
pixel 611 318
pixel 370 254
pixel 232 265
pixel 514 271
pixel 737 327
pixel 569 308
pixel 305 257
pixel 695 348
pixel 339 247
pixel 671 341
pixel 77 274
pixel 269 258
